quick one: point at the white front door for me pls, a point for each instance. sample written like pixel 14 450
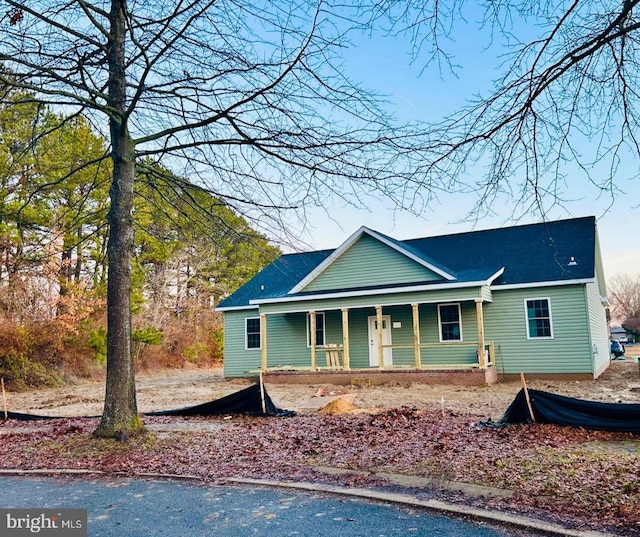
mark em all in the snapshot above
pixel 386 340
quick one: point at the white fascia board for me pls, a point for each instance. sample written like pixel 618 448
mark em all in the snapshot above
pixel 235 308
pixel 496 275
pixel 371 292
pixel 348 243
pixel 530 285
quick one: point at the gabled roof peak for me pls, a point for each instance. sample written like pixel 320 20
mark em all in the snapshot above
pixel 405 250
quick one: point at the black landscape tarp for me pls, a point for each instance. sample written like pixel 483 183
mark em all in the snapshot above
pixel 560 410
pixel 247 402
pixel 27 417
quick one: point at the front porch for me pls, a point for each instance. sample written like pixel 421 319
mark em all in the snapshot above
pixel 449 360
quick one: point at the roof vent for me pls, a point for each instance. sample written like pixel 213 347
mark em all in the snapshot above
pixel 573 262
pixel 262 286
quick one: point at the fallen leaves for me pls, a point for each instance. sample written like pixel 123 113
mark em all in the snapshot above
pixel 588 479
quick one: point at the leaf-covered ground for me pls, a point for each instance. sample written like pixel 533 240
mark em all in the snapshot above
pixel 583 479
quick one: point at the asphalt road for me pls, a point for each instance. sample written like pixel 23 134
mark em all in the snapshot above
pixel 146 508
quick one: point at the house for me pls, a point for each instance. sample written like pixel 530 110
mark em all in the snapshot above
pixel 470 307
pixel 619 334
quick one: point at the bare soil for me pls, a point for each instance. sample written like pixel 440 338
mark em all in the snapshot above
pixel 168 389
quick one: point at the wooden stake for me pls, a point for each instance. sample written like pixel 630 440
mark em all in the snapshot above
pixel 264 404
pixel 526 395
pixel 4 399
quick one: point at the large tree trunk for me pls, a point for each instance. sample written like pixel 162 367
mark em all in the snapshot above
pixel 120 417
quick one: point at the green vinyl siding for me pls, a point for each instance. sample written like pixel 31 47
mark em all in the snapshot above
pixel 237 359
pixel 359 338
pixel 369 262
pixel 568 351
pixel 287 339
pixel 446 353
pixel 485 293
pixel 598 327
pixel 599 269
pixel 577 316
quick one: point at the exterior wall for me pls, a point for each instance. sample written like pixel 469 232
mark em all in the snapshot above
pixel 287 339
pixel 359 337
pixel 369 262
pixel 578 324
pixel 429 333
pixel 449 353
pixel 599 269
pixel 237 359
pixel 598 315
pixel 598 328
pixel 568 352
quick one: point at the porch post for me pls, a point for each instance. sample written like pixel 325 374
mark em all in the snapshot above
pixel 312 337
pixel 345 339
pixel 416 336
pixel 263 341
pixel 480 319
pixel 379 333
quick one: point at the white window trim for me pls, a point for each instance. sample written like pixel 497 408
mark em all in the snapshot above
pixel 526 318
pixel 246 334
pixel 459 323
pixel 324 328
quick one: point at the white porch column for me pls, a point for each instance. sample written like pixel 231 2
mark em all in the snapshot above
pixel 263 341
pixel 379 334
pixel 312 336
pixel 416 336
pixel 345 339
pixel 480 319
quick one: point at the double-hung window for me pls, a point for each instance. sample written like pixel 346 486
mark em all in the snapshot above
pixel 538 311
pixel 319 330
pixel 252 332
pixel 450 326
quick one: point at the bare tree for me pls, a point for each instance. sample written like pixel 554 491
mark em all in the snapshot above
pixel 562 114
pixel 624 296
pixel 249 100
pixel 245 98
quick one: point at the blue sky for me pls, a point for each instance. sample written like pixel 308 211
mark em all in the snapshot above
pixel 384 65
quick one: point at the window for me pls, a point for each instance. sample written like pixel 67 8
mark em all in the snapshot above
pixel 253 333
pixel 319 330
pixel 450 329
pixel 538 318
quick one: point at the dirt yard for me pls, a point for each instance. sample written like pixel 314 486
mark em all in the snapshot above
pixel 165 390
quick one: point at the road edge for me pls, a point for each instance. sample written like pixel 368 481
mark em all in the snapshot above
pixel 457 510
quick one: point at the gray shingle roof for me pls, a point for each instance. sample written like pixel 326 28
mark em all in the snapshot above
pixel 533 253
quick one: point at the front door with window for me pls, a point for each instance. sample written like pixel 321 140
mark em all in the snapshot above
pixel 386 340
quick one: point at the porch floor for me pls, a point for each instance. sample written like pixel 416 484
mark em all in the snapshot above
pixel 371 377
